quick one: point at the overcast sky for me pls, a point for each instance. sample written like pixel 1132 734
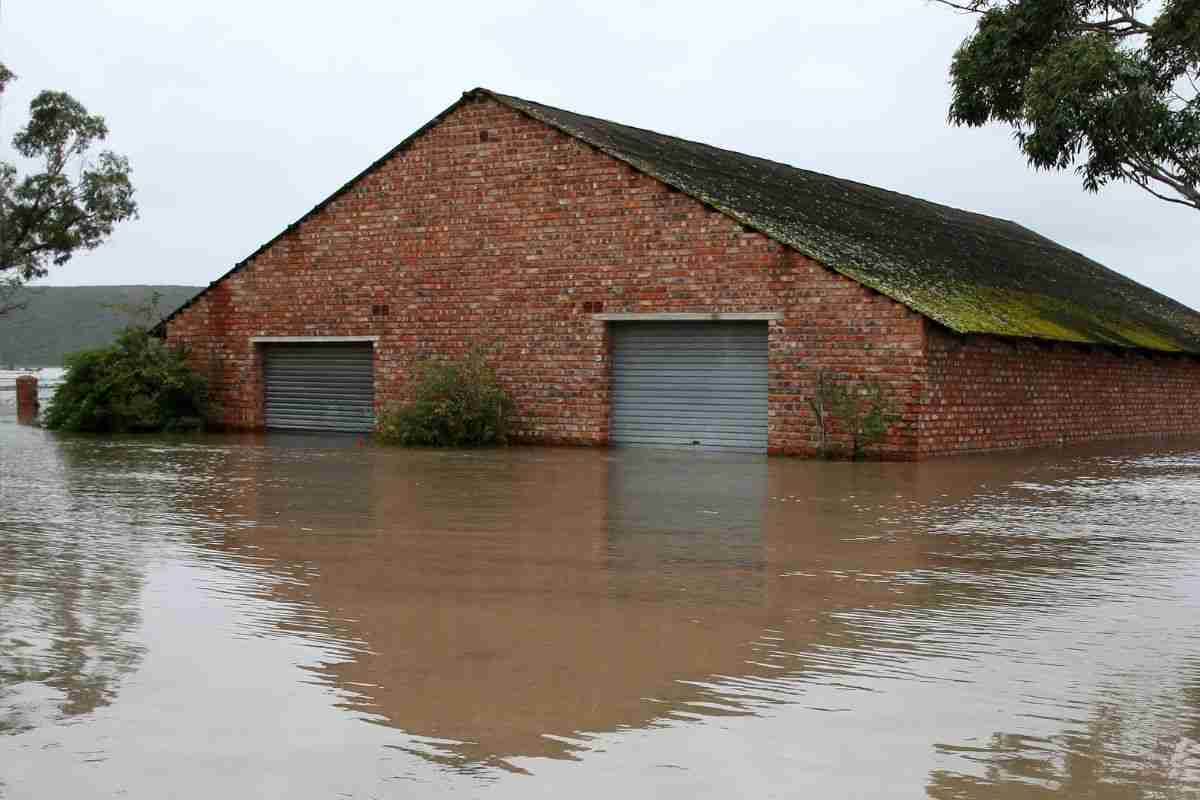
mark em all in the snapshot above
pixel 238 117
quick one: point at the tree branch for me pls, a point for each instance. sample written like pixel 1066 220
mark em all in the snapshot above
pixel 1144 184
pixel 1141 174
pixel 32 222
pixel 1122 25
pixel 971 6
pixel 1180 182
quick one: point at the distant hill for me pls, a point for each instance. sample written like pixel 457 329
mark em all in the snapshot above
pixel 62 319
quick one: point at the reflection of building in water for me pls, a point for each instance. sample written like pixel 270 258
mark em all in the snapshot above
pixel 492 601
pixel 507 597
pixel 672 517
pixel 510 602
pixel 69 596
pixel 1107 756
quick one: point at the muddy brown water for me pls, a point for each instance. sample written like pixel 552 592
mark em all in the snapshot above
pixel 274 616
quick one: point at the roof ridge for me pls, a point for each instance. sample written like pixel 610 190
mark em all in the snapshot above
pixel 970 272
pixel 504 98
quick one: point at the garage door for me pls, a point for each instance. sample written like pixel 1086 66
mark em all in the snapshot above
pixel 320 387
pixel 690 384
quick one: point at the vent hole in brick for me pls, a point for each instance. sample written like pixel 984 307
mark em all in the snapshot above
pixel 379 310
pixel 484 136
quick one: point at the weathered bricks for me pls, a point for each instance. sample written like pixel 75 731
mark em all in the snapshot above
pixel 515 242
pixel 987 393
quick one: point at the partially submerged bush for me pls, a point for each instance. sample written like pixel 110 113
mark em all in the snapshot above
pixel 137 384
pixel 859 408
pixel 454 404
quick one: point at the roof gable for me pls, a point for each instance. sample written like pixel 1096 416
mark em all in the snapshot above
pixel 160 328
pixel 969 272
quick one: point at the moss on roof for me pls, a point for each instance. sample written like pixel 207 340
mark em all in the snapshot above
pixel 969 272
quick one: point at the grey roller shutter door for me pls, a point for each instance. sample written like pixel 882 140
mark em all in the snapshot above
pixel 690 384
pixel 320 387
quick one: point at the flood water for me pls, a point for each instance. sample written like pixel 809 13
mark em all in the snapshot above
pixel 301 617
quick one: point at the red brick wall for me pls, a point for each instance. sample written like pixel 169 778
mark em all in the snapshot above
pixel 988 393
pixel 503 242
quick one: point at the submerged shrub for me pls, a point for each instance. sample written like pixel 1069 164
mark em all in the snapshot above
pixel 137 384
pixel 454 404
pixel 859 408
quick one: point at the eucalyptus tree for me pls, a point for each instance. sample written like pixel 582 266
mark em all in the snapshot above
pixel 68 199
pixel 1109 88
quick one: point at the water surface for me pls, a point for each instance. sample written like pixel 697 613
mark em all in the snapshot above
pixel 277 616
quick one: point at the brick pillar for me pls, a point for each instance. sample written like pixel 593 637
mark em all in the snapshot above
pixel 27 399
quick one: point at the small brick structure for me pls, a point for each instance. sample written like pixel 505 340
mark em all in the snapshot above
pixel 27 399
pixel 490 226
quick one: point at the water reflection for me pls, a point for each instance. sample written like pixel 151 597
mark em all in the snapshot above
pixel 68 595
pixel 1120 751
pixel 561 595
pixel 594 622
pixel 672 518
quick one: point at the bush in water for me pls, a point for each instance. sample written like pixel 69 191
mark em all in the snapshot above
pixel 137 384
pixel 454 404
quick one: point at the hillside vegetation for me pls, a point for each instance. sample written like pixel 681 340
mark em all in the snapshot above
pixel 63 319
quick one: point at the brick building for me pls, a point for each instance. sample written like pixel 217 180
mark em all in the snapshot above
pixel 637 288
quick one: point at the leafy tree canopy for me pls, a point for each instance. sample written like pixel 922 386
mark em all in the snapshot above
pixel 69 201
pixel 1101 86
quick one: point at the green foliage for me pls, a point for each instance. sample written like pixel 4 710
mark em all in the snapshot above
pixel 858 408
pixel 1087 83
pixel 138 384
pixel 73 200
pixel 454 404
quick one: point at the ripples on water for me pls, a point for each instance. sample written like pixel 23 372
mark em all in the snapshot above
pixel 305 617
